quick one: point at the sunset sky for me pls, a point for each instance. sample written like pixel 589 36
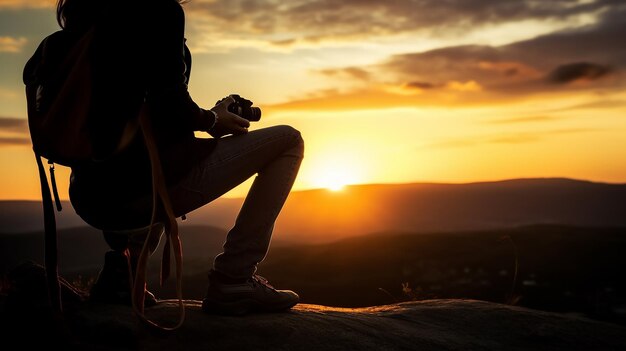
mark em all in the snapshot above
pixel 390 91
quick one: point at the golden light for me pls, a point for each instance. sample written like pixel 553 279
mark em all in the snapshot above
pixel 335 171
pixel 335 179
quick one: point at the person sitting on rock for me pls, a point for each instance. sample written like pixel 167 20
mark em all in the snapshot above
pixel 115 195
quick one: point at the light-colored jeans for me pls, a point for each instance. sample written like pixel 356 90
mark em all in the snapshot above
pixel 274 154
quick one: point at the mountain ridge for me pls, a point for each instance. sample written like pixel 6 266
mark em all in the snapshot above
pixel 322 216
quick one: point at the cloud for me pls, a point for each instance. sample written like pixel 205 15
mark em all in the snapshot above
pixel 14 131
pixel 14 141
pixel 13 124
pixel 528 119
pixel 22 4
pixel 572 72
pixel 507 138
pixel 420 85
pixel 315 21
pixel 12 45
pixel 468 86
pixel 527 137
pixel 472 74
pixel 602 104
pixel 351 72
pixel 563 57
pixel 380 97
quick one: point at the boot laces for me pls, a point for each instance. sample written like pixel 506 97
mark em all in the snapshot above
pixel 259 280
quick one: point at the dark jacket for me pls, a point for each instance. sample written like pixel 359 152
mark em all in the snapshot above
pixel 145 46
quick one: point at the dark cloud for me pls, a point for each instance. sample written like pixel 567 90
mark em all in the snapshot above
pixel 14 141
pixel 315 20
pixel 473 74
pixel 600 43
pixel 587 54
pixel 353 72
pixel 480 74
pixel 13 131
pixel 578 71
pixel 437 67
pixel 13 124
pixel 420 85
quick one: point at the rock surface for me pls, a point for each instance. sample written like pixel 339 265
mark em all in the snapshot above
pixel 424 325
pixel 26 322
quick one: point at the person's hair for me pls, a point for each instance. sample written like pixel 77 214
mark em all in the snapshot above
pixel 79 14
pixel 76 14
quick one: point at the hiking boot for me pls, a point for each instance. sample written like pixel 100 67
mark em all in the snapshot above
pixel 251 295
pixel 113 284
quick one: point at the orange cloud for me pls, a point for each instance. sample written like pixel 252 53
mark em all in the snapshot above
pixel 13 131
pixel 12 45
pixel 381 96
pixel 351 72
pixel 481 74
pixel 527 119
pixel 507 138
pixel 14 141
pixel 469 86
pixel 21 4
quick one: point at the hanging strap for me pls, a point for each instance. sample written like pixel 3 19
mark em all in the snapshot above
pixel 55 191
pixel 51 251
pixel 161 202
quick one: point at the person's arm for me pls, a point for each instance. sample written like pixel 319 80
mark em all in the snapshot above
pixel 168 76
pixel 166 69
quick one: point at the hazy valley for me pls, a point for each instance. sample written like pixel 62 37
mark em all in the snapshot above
pixel 551 244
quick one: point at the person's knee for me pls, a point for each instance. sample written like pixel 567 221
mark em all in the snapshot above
pixel 296 136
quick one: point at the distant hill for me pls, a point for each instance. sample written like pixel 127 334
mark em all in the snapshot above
pixel 323 216
pixel 547 267
pixel 81 249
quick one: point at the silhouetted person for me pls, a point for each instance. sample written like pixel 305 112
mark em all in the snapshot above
pixel 116 195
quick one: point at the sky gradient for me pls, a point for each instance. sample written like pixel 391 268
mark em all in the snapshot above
pixel 388 91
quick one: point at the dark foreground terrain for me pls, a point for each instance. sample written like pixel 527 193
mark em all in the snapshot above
pixel 552 268
pixel 575 270
pixel 425 325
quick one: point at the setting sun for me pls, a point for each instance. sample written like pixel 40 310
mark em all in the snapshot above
pixel 333 170
pixel 335 179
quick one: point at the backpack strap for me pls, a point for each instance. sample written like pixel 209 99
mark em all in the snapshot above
pixel 161 202
pixel 55 191
pixel 51 245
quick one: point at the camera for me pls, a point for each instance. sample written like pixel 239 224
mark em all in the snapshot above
pixel 243 108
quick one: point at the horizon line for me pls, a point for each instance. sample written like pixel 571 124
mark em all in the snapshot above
pixel 401 184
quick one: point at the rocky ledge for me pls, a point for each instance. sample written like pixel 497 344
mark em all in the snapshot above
pixel 423 325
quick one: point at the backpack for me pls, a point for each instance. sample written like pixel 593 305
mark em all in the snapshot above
pixel 59 80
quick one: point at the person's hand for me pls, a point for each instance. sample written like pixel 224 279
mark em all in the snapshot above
pixel 228 122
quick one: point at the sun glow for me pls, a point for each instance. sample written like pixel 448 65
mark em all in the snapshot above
pixel 335 179
pixel 333 171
